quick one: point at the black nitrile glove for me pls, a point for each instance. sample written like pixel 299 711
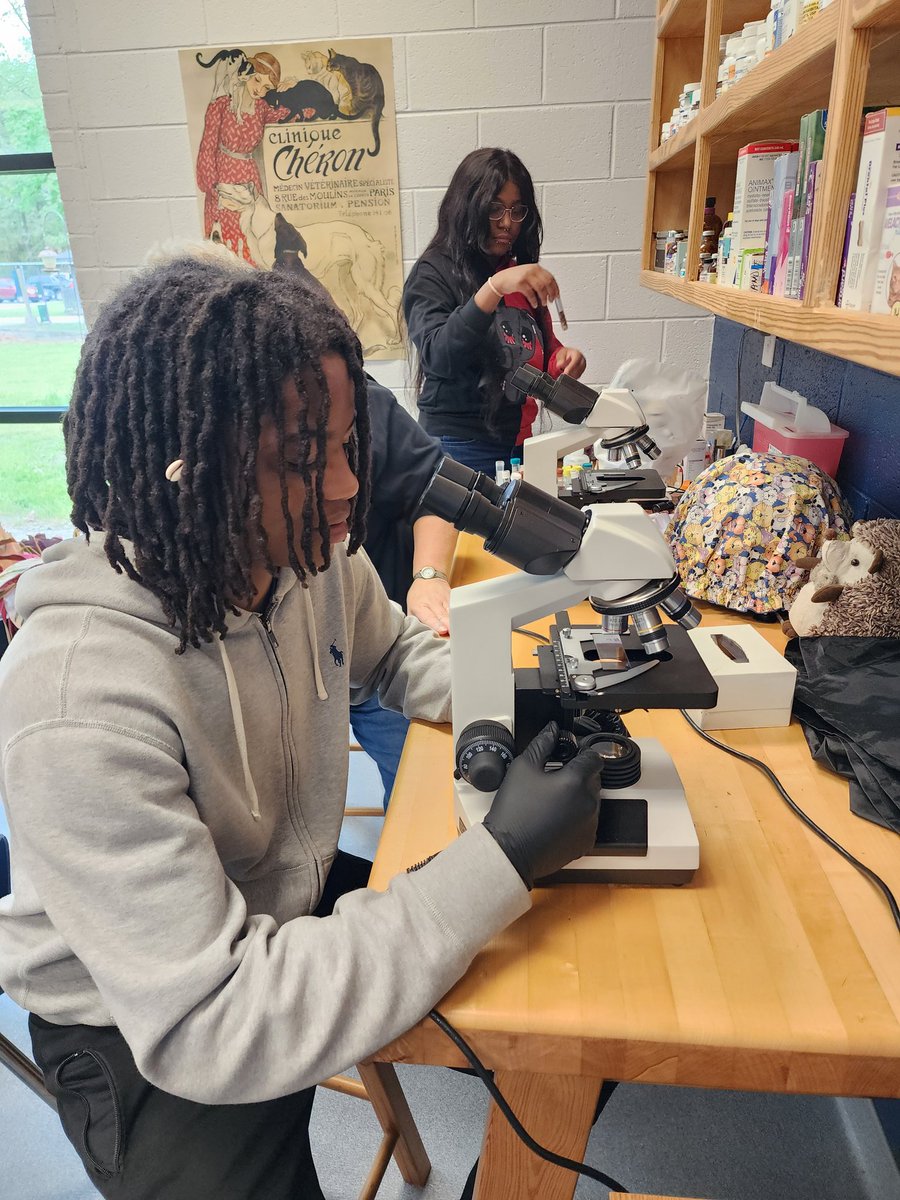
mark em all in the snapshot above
pixel 542 821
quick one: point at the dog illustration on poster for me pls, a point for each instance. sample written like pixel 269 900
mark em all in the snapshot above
pixel 340 255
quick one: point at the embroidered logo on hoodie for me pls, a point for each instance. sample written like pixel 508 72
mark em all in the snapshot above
pixel 337 655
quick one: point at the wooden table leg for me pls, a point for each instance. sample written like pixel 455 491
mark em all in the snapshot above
pixel 557 1110
pixel 392 1111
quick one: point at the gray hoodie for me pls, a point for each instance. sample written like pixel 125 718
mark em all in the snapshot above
pixel 173 819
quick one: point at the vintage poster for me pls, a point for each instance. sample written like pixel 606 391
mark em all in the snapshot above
pixel 294 148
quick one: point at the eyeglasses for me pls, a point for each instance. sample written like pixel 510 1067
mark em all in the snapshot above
pixel 517 212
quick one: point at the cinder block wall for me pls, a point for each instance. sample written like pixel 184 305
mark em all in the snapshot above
pixel 563 83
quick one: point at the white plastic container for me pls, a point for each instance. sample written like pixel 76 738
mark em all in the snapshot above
pixel 756 694
pixel 785 422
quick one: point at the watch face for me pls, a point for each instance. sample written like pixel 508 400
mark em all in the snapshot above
pixel 427 573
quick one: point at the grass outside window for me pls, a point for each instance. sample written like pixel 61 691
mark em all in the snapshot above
pixel 33 495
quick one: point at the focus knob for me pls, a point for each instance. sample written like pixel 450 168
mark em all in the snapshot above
pixel 484 751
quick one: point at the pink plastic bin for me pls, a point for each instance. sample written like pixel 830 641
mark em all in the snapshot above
pixel 823 449
pixel 785 421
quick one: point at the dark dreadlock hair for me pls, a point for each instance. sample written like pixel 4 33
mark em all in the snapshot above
pixel 462 234
pixel 184 363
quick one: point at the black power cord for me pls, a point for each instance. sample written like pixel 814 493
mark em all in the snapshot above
pixel 808 821
pixel 538 637
pixel 500 1100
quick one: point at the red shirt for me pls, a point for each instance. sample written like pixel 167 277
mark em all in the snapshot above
pixel 542 354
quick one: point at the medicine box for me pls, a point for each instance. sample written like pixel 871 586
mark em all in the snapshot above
pixel 879 170
pixel 886 294
pixel 752 187
pixel 756 694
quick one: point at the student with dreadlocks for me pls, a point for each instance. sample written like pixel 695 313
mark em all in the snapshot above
pixel 173 752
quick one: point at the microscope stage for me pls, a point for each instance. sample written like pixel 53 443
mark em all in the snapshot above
pixel 671 854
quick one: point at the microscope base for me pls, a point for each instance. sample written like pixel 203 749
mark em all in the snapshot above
pixel 647 835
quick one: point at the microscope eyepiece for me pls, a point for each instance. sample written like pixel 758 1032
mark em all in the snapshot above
pixel 519 523
pixel 462 506
pixel 564 396
pixel 449 468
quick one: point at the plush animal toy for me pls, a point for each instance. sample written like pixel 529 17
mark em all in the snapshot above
pixel 854 586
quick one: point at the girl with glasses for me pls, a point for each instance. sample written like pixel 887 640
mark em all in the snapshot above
pixel 476 308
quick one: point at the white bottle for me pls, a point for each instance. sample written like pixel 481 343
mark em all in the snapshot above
pixel 695 460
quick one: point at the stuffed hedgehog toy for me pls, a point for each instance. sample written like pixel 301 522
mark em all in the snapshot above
pixel 854 586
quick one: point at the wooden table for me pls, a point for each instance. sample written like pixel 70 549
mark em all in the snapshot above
pixel 777 969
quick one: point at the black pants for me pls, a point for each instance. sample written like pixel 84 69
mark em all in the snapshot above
pixel 140 1143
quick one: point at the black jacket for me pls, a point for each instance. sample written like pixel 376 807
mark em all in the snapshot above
pixel 452 340
pixel 404 458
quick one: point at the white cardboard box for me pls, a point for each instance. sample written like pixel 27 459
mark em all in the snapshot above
pixel 886 293
pixel 879 169
pixel 756 694
pixel 752 187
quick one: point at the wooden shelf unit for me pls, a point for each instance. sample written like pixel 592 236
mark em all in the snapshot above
pixel 846 57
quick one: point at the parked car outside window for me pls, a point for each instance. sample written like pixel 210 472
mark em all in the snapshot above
pixel 45 287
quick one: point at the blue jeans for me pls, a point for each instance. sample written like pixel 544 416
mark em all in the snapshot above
pixel 479 455
pixel 381 733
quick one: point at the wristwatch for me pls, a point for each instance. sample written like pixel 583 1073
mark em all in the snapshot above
pixel 429 573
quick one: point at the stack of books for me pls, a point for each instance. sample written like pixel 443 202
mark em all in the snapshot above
pixel 774 203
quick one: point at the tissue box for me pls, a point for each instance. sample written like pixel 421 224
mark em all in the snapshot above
pixel 754 694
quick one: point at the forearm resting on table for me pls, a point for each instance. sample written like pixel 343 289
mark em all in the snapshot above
pixel 434 541
pixel 429 599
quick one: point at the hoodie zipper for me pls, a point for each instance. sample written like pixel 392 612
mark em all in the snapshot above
pixel 266 619
pixel 297 819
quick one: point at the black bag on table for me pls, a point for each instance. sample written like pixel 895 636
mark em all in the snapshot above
pixel 848 701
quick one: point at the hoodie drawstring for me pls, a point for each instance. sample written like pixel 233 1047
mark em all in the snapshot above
pixel 237 717
pixel 313 636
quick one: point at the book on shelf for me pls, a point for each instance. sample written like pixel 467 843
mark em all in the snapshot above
pixel 811 176
pixel 886 292
pixel 784 180
pixel 879 170
pixel 753 183
pixel 846 249
pixel 784 244
pixel 812 146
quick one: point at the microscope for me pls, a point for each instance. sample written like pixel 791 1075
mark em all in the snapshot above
pixel 614 555
pixel 627 437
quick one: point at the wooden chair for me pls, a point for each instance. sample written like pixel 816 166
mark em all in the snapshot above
pixel 361 811
pixel 378 1083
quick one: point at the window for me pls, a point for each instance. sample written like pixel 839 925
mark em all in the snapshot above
pixel 41 319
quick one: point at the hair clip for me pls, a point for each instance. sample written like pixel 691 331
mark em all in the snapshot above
pixel 174 469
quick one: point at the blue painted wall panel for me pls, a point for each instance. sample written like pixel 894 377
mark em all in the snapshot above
pixel 863 401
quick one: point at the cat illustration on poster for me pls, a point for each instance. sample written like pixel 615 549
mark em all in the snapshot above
pixel 366 89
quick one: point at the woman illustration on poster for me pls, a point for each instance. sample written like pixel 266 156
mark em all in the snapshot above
pixel 233 129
